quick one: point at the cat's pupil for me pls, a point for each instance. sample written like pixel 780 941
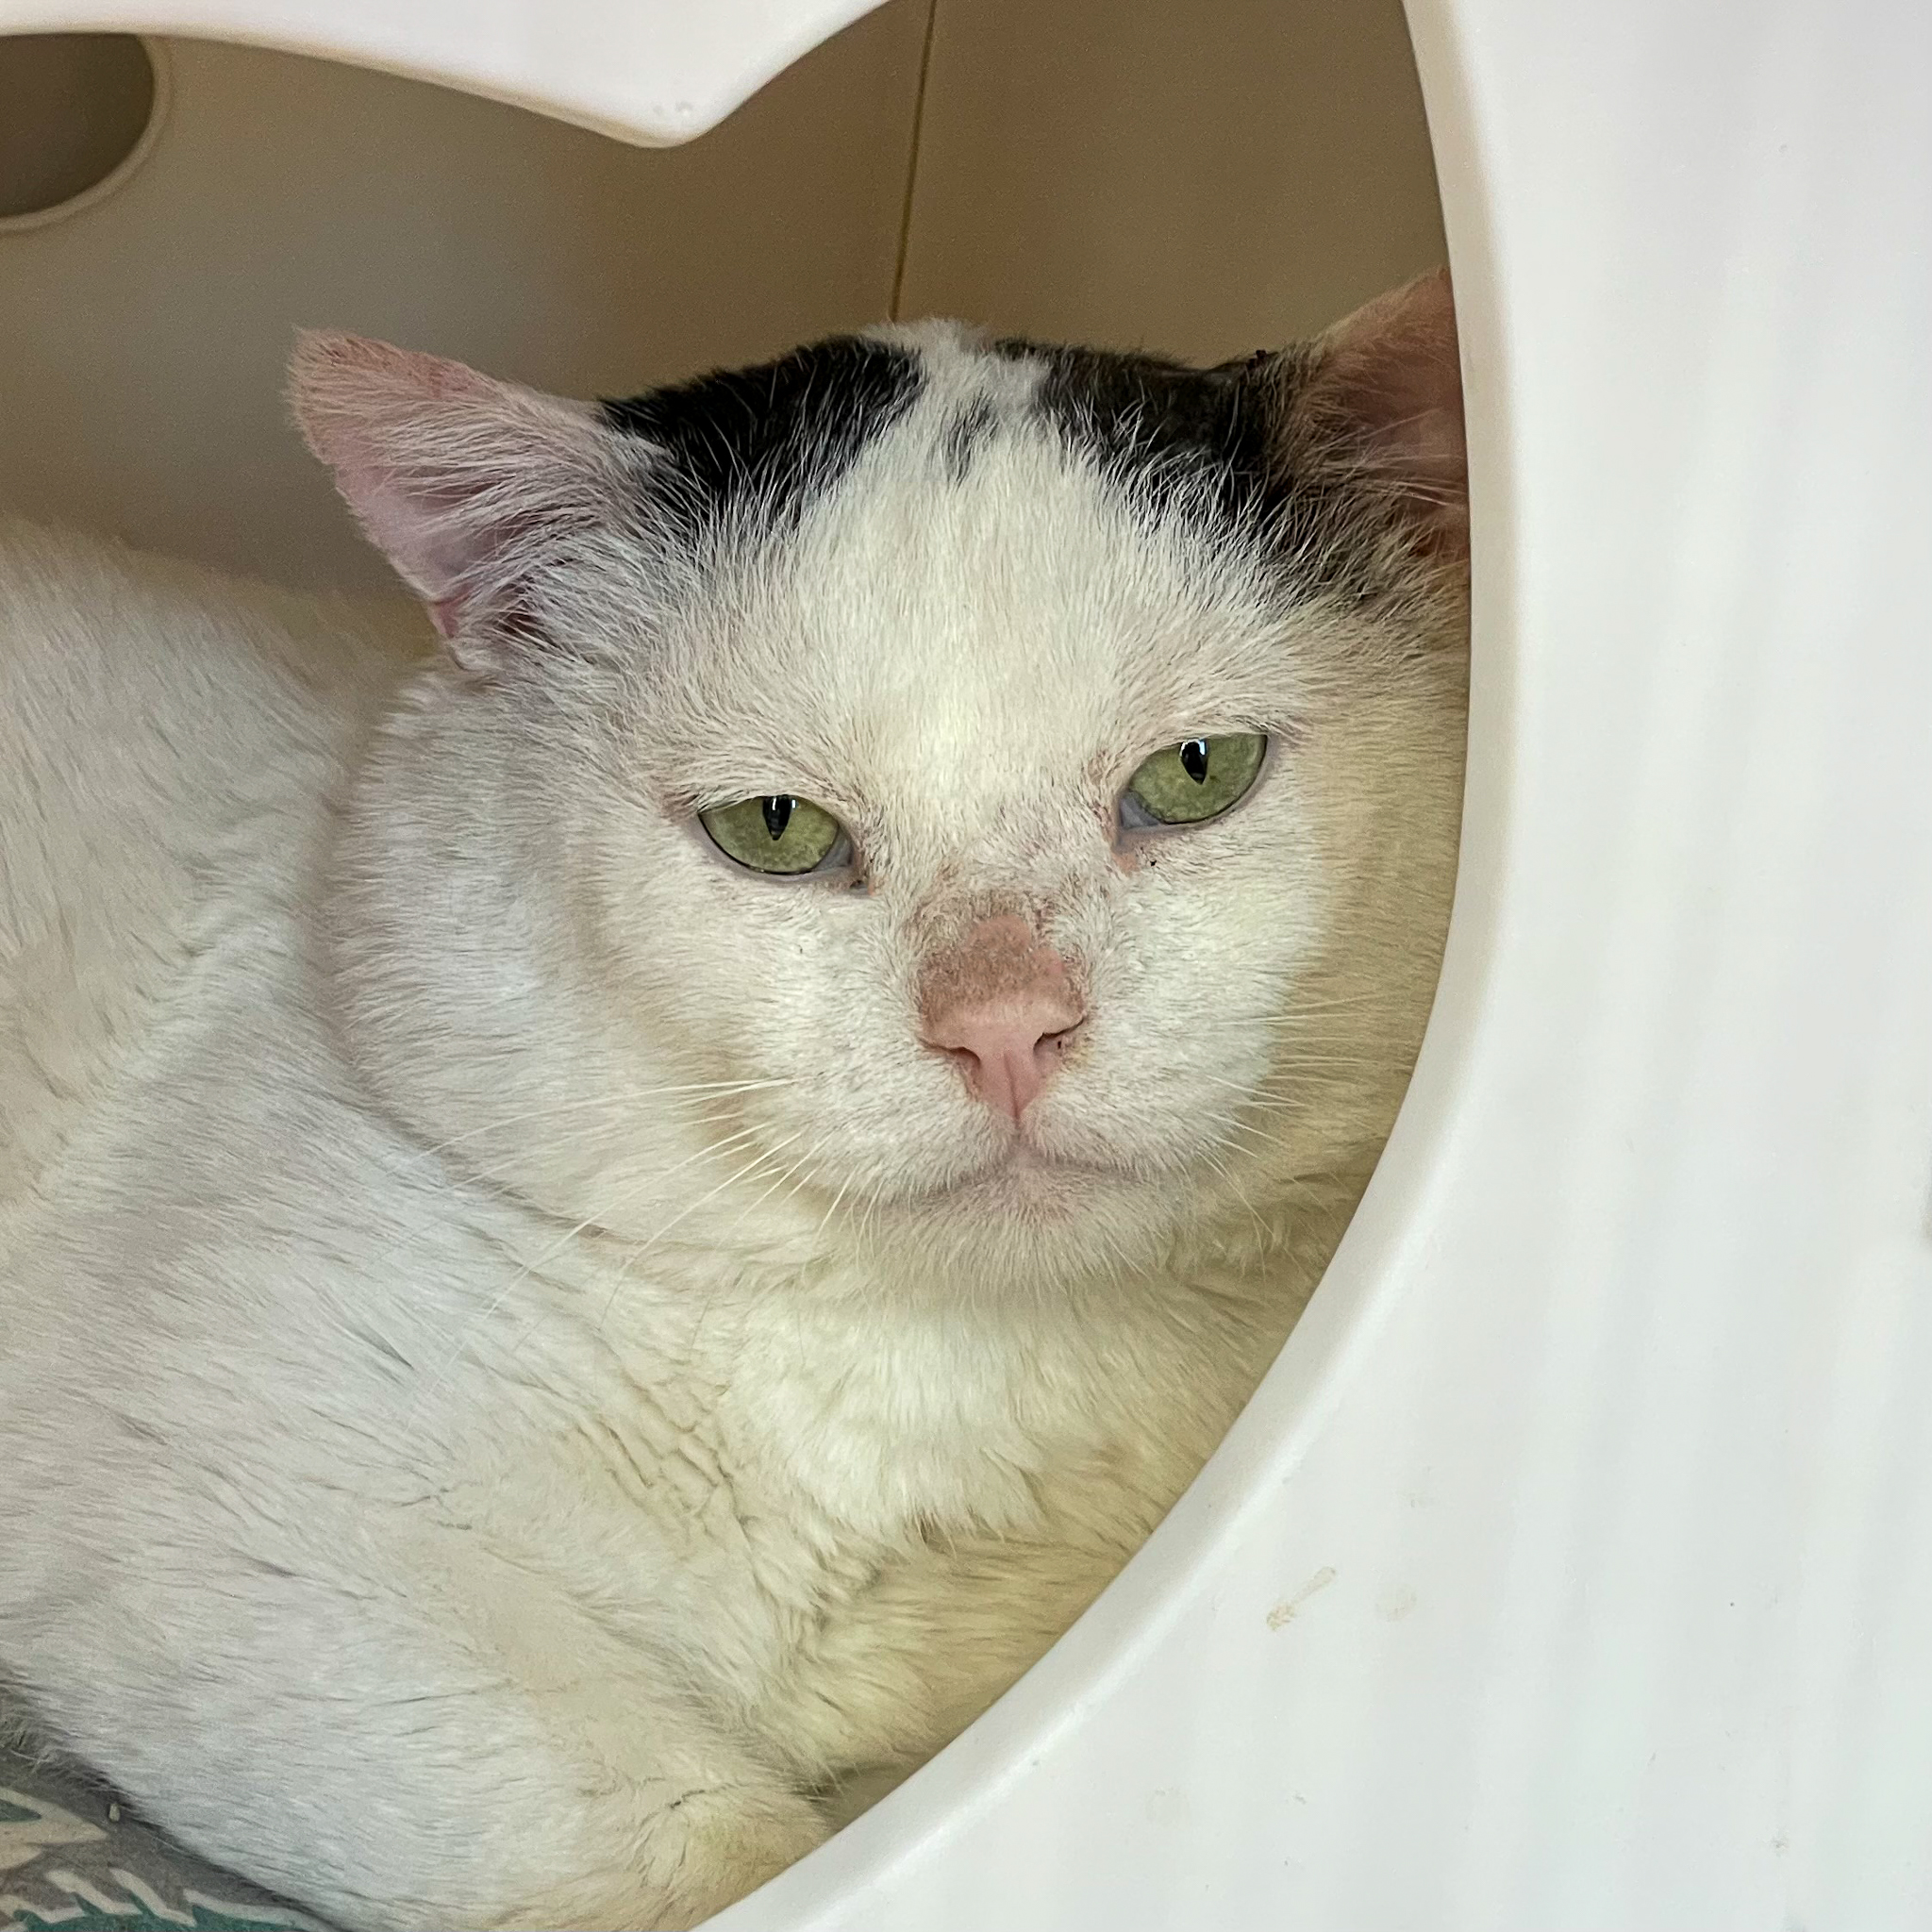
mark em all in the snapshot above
pixel 1194 760
pixel 778 814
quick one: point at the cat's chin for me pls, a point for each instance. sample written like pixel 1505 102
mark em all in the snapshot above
pixel 1026 1180
pixel 1025 1221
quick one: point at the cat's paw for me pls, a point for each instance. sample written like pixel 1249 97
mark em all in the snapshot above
pixel 726 1842
pixel 699 1854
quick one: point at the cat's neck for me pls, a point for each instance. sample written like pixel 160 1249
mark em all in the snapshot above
pixel 880 1403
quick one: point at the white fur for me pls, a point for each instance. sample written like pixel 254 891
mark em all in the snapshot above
pixel 520 1375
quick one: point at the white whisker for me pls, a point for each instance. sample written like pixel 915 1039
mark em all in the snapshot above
pixel 563 1108
pixel 691 1208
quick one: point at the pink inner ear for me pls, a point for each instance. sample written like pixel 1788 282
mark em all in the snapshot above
pixel 448 471
pixel 420 547
pixel 1393 373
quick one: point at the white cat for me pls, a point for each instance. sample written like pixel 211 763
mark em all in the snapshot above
pixel 604 1234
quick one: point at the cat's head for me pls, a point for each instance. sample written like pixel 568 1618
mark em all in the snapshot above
pixel 989 800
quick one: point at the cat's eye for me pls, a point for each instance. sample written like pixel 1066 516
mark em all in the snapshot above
pixel 1198 779
pixel 778 833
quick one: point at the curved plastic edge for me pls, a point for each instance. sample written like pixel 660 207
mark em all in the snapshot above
pixel 652 73
pixel 1388 1244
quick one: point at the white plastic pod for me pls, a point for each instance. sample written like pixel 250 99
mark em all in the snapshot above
pixel 1572 1569
pixel 649 71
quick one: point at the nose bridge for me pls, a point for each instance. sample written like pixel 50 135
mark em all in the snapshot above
pixel 1014 869
pixel 1052 874
pixel 999 959
pixel 1040 861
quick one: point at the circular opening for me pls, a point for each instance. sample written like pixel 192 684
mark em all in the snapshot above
pixel 77 115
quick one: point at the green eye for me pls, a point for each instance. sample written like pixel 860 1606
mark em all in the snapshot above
pixel 779 834
pixel 1193 781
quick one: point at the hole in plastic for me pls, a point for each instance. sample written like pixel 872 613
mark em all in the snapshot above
pixel 79 113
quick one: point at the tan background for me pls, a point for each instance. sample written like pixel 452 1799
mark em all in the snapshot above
pixel 1198 175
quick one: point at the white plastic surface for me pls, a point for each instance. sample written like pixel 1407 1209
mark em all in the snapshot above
pixel 1573 1567
pixel 655 71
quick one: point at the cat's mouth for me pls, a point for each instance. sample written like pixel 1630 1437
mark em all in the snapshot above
pixel 1024 1173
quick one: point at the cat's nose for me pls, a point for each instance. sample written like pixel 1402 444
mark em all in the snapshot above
pixel 1008 1050
pixel 1000 1003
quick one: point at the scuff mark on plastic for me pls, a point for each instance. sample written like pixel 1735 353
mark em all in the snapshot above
pixel 1284 1611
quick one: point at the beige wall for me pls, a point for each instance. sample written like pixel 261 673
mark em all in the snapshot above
pixel 1200 176
pixel 142 342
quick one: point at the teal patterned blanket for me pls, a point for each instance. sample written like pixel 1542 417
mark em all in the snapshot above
pixel 74 1858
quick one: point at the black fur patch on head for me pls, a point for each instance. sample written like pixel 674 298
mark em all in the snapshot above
pixel 1161 427
pixel 764 441
pixel 963 436
pixel 1201 439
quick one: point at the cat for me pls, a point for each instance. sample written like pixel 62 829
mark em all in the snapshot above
pixel 609 1221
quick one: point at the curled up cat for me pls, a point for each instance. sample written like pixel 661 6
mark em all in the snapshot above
pixel 609 1222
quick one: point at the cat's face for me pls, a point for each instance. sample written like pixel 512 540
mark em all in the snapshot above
pixel 964 668
pixel 994 766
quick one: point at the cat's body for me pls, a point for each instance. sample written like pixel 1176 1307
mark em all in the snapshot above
pixel 524 1367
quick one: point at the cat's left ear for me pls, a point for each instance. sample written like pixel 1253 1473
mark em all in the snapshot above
pixel 470 486
pixel 1376 402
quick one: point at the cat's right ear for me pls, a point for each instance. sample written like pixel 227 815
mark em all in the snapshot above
pixel 471 486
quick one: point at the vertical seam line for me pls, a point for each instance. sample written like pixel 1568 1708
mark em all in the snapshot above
pixel 932 14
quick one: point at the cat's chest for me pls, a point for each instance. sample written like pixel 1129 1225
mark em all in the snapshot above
pixel 759 1460
pixel 894 1423
pixel 867 1424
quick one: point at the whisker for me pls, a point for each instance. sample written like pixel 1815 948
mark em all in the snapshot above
pixel 1255 1095
pixel 1226 1173
pixel 689 1209
pixel 697 1332
pixel 476 1326
pixel 559 1110
pixel 796 1166
pixel 1259 1135
pixel 820 1233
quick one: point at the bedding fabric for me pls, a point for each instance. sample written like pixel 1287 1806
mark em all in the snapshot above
pixel 73 1856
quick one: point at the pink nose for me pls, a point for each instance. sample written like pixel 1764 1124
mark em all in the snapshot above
pixel 1007 1051
pixel 1000 1004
